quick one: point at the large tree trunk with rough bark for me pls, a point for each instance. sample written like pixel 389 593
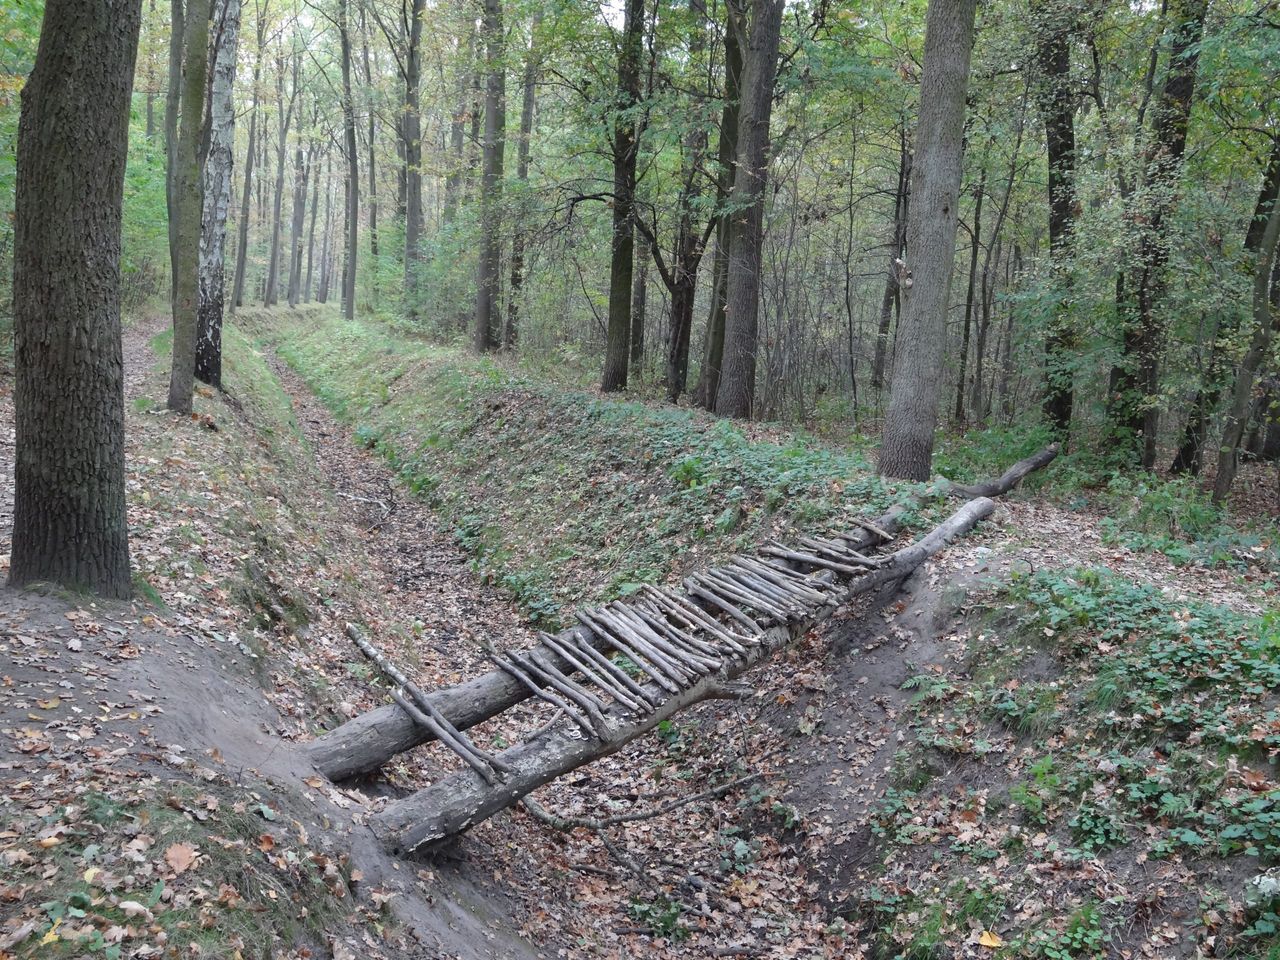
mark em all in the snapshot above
pixel 906 450
pixel 69 522
pixel 301 175
pixel 760 40
pixel 217 194
pixel 1054 26
pixel 190 206
pixel 625 150
pixel 488 279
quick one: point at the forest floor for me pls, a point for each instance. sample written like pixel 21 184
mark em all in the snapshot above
pixel 1021 755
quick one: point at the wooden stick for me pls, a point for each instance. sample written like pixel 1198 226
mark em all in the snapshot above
pixel 589 671
pixel 673 668
pixel 655 617
pixel 593 708
pixel 777 550
pixel 689 659
pixel 870 528
pixel 727 607
pixel 797 584
pixel 541 693
pixel 443 730
pixel 615 672
pixel 695 617
pixel 731 591
pixel 610 633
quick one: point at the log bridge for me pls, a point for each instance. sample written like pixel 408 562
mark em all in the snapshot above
pixel 626 667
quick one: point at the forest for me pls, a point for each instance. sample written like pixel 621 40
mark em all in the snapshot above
pixel 657 478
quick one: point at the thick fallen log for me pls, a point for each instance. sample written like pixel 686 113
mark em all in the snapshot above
pixel 1011 477
pixel 364 743
pixel 432 817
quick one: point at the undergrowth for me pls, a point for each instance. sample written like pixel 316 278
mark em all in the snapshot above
pixel 1096 725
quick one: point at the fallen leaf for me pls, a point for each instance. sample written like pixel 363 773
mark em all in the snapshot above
pixel 179 857
pixel 990 940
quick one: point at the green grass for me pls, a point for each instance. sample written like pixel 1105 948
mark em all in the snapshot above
pixel 561 496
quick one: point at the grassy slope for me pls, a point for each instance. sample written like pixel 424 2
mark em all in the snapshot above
pixel 563 496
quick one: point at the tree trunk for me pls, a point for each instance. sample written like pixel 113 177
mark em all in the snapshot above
pixel 976 241
pixel 625 151
pixel 897 251
pixel 353 167
pixel 301 174
pixel 1056 98
pixel 172 103
pixel 246 202
pixel 311 233
pixel 1191 452
pixel 639 298
pixel 735 394
pixel 458 133
pixel 488 279
pixel 713 348
pixel 1259 344
pixel 1136 378
pixel 284 116
pixel 528 103
pixel 217 195
pixel 373 176
pixel 69 523
pixel 411 125
pixel 906 450
pixel 190 205
pixel 322 291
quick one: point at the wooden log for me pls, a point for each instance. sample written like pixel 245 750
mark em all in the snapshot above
pixel 432 817
pixel 364 743
pixel 1010 478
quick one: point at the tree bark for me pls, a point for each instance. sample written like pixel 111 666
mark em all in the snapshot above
pixel 284 117
pixel 172 104
pixel 298 221
pixel 906 450
pixel 311 233
pixel 69 523
pixel 897 251
pixel 528 104
pixel 458 132
pixel 1054 27
pixel 246 202
pixel 735 394
pixel 488 279
pixel 1259 344
pixel 975 243
pixel 411 125
pixel 1136 378
pixel 1190 454
pixel 713 348
pixel 625 151
pixel 217 194
pixel 190 205
pixel 353 167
